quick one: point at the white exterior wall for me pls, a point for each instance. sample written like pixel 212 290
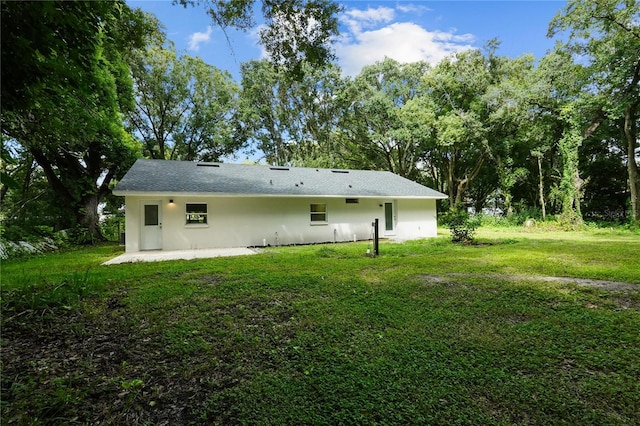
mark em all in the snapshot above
pixel 250 221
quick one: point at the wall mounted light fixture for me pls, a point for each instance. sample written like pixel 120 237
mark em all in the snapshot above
pixel 171 201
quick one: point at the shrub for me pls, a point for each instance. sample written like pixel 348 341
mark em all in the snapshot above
pixel 570 221
pixel 462 225
pixel 16 242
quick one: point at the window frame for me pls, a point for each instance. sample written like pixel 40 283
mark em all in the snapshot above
pixel 201 219
pixel 318 217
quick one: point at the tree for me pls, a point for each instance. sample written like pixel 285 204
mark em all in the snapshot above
pixel 296 32
pixel 28 205
pixel 555 107
pixel 183 106
pixel 292 121
pixel 62 101
pixel 508 118
pixel 383 122
pixel 461 140
pixel 606 35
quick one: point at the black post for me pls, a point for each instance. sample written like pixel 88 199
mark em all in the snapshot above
pixel 376 250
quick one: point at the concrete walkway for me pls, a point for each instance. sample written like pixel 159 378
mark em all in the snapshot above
pixel 160 255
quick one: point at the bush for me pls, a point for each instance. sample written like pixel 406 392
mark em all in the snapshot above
pixel 111 227
pixel 16 242
pixel 462 225
pixel 570 221
pixel 518 218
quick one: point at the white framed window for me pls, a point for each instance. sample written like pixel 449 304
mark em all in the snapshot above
pixel 196 213
pixel 318 213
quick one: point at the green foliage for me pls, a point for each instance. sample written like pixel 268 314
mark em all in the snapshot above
pixel 461 224
pixel 613 71
pixel 519 133
pixel 570 221
pixel 296 34
pixel 385 124
pixel 63 102
pixel 184 107
pixel 38 294
pixel 291 121
pixel 518 217
pixel 15 241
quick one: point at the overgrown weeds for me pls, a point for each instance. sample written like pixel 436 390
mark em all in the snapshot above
pixel 41 294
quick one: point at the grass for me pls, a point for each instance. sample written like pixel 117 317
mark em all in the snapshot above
pixel 427 333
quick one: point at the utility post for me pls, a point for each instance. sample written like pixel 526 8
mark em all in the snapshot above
pixel 376 238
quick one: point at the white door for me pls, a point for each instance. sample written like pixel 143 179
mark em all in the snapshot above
pixel 389 218
pixel 151 229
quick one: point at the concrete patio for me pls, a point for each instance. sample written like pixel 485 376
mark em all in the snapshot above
pixel 160 255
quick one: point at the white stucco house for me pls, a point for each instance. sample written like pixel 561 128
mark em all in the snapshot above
pixel 178 205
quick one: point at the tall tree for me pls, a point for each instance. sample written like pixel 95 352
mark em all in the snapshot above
pixel 606 35
pixel 296 32
pixel 461 143
pixel 183 106
pixel 291 121
pixel 555 107
pixel 508 114
pixel 380 114
pixel 62 101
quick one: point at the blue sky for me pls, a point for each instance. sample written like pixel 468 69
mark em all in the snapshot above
pixel 370 30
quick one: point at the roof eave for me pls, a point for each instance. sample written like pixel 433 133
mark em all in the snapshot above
pixel 122 193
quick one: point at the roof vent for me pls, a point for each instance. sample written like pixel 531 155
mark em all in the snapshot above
pixel 207 165
pixel 278 168
pixel 340 171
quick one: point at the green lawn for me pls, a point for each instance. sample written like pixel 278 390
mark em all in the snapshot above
pixel 427 333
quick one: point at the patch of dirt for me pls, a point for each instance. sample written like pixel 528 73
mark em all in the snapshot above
pixel 103 364
pixel 210 279
pixel 581 282
pixel 96 370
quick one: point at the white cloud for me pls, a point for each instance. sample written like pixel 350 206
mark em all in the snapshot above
pixel 402 41
pixel 197 38
pixel 412 8
pixel 356 19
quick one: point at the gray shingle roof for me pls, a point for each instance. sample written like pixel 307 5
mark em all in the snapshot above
pixel 190 178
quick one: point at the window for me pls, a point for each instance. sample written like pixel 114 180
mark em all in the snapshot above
pixel 151 215
pixel 196 213
pixel 351 200
pixel 318 213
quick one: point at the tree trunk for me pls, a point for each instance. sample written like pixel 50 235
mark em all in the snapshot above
pixel 541 189
pixel 462 184
pixel 568 146
pixel 630 133
pixel 88 218
pixel 85 207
